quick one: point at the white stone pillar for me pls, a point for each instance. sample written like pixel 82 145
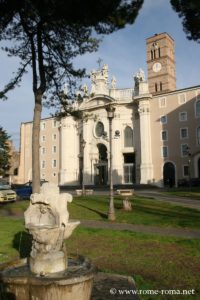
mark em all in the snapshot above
pixel 87 162
pixel 68 152
pixel 146 167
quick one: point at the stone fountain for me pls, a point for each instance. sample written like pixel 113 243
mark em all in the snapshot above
pixel 48 274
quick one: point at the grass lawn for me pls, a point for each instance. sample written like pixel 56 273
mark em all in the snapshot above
pixel 145 211
pixel 193 193
pixel 155 262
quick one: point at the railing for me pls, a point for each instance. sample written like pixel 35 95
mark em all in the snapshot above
pixel 122 94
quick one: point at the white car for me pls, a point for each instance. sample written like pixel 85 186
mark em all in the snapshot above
pixel 6 194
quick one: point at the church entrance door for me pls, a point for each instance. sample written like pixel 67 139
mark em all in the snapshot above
pixel 101 176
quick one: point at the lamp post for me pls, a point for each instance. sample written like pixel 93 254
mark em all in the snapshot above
pixel 83 143
pixel 110 115
pixel 189 165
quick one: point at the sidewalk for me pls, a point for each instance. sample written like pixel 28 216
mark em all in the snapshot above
pixel 177 232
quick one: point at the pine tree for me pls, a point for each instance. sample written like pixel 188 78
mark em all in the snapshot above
pixel 4 152
pixel 47 35
pixel 189 11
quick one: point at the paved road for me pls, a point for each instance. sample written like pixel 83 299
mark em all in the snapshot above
pixel 186 202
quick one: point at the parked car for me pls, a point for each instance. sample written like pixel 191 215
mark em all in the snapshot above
pixel 24 191
pixel 7 194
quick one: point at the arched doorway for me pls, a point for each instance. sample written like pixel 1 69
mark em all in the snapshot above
pixel 169 174
pixel 101 167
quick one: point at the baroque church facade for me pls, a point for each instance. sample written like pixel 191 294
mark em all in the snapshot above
pixel 155 130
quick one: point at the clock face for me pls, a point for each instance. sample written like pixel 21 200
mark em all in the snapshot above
pixel 157 67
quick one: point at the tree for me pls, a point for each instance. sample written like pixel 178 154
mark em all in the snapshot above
pixel 189 11
pixel 47 35
pixel 4 152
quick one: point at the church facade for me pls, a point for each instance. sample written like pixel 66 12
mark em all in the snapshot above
pixel 154 130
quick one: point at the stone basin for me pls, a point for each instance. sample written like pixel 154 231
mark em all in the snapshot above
pixel 75 283
pixel 49 234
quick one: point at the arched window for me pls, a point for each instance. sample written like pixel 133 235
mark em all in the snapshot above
pixel 198 108
pixel 128 137
pixel 198 135
pixel 152 55
pixel 159 52
pixel 156 87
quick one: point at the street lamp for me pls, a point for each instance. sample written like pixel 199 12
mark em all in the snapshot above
pixel 110 115
pixel 83 143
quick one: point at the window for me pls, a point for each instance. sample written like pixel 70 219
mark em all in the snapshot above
pixel 54 123
pixel 198 135
pixel 183 116
pixel 54 174
pixel 151 54
pixel 43 150
pixel 182 98
pixel 156 87
pixel 54 136
pixel 43 164
pixel 184 150
pixel 185 170
pixel 184 133
pixel 162 102
pixel 163 119
pixel 159 52
pixel 99 129
pixel 54 163
pixel 164 135
pixel 165 151
pixel 160 86
pixel 128 173
pixel 128 137
pixel 43 125
pixel 198 108
pixel 43 138
pixel 54 149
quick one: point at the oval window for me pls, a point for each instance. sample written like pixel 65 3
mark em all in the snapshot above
pixel 99 130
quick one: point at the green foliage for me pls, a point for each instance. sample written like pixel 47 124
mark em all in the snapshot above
pixel 4 152
pixel 189 11
pixel 48 34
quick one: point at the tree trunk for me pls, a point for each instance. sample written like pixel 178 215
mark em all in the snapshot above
pixel 36 143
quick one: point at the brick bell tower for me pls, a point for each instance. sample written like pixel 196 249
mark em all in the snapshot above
pixel 161 63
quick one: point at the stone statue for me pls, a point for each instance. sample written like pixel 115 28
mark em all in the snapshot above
pixel 113 82
pixel 85 89
pixel 99 81
pixel 139 76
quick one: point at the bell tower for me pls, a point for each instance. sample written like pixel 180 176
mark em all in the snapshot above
pixel 161 63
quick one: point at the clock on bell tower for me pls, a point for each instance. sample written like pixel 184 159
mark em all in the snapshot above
pixel 161 63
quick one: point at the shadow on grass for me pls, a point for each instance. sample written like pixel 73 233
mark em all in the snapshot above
pixel 101 214
pixel 22 243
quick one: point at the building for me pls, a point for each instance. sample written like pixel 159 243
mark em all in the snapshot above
pixel 155 130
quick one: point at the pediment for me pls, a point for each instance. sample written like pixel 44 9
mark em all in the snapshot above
pixel 96 101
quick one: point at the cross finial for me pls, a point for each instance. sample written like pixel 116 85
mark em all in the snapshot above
pixel 99 61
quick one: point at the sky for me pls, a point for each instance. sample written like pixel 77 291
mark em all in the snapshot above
pixel 124 51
